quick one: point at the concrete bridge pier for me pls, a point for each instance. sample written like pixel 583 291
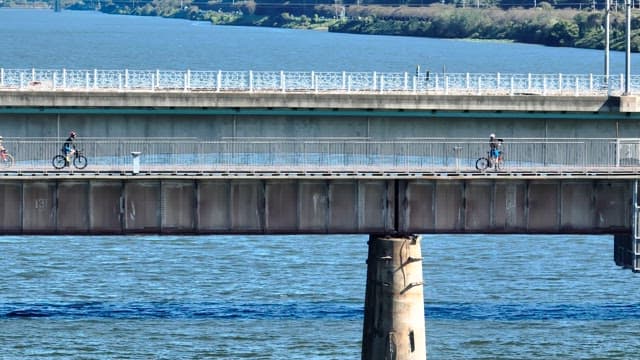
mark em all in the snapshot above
pixel 394 325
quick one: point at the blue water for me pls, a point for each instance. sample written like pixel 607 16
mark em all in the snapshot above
pixel 294 297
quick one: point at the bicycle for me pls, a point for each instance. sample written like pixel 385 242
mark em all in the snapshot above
pixel 489 161
pixel 6 158
pixel 79 161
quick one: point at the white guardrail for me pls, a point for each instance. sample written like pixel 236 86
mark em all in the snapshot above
pixel 334 154
pixel 314 82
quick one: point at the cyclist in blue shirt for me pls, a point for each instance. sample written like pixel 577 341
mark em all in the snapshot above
pixel 69 148
pixel 494 147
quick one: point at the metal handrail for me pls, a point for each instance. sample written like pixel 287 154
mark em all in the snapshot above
pixel 332 154
pixel 313 82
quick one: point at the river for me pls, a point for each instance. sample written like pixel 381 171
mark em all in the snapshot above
pixel 294 297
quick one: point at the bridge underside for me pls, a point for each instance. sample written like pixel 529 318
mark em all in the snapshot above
pixel 134 204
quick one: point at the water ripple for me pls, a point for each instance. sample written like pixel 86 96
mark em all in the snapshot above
pixel 316 310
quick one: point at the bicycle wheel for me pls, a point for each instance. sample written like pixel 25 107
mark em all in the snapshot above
pixel 482 164
pixel 8 161
pixel 59 162
pixel 80 162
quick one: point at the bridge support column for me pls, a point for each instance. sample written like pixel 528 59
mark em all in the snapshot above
pixel 394 325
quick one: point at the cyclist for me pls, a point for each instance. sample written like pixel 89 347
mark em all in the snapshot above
pixel 69 148
pixel 1 145
pixel 494 148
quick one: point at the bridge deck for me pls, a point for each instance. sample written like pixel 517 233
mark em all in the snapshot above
pixel 274 173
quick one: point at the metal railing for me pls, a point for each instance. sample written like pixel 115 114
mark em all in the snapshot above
pixel 254 154
pixel 314 82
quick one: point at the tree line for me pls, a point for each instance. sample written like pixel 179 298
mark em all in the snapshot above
pixel 563 23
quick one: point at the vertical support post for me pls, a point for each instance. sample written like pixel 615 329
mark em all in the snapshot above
pixel 560 83
pixel 394 325
pixel 344 80
pixel 607 31
pixel 511 84
pixel 627 61
pixel 283 82
pixel 313 79
pixel 406 81
pixel 375 78
pixel 219 81
pixel 126 78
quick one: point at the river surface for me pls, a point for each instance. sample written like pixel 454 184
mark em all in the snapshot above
pixel 295 297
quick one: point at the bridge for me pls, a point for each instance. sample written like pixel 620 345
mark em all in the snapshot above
pixel 389 155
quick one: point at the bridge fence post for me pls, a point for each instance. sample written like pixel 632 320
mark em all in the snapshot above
pixel 577 87
pixel 479 85
pixel 126 78
pixel 218 80
pixel 95 78
pixel 381 83
pixel 394 322
pixel 21 80
pixel 250 80
pixel 53 80
pixel 374 85
pixel 544 84
pixel 187 75
pixel 1 76
pixel 590 83
pixel 406 81
pixel 560 82
pixel 283 82
pixel 87 80
pixel 512 84
pixel 446 85
pixel 64 78
pixel 344 80
pixel 498 87
pixel 313 79
pixel 415 85
pixel 33 74
pixel 467 82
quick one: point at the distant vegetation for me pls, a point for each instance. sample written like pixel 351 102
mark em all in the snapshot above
pixel 565 23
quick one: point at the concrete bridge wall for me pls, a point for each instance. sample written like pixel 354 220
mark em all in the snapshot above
pixel 376 116
pixel 328 206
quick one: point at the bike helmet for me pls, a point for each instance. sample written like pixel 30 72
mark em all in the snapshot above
pixel 72 134
pixel 492 136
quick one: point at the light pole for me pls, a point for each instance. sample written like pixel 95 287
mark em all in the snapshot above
pixel 627 74
pixel 607 28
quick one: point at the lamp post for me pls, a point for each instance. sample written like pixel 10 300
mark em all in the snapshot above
pixel 627 74
pixel 607 28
